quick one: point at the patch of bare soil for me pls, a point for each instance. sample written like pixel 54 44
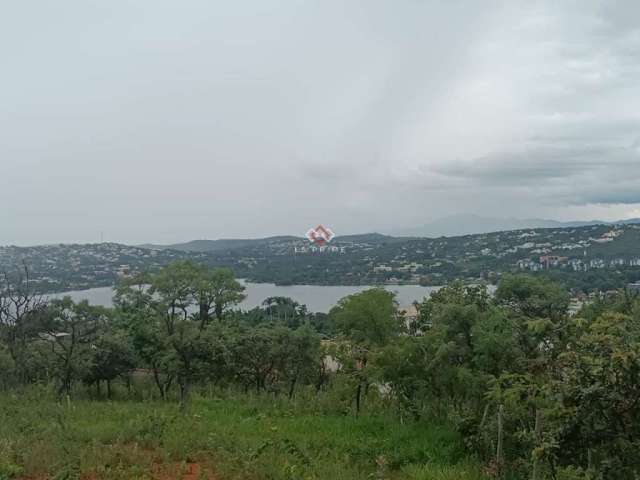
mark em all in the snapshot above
pixel 160 471
pixel 182 471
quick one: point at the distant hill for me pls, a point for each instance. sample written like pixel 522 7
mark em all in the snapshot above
pixel 458 225
pixel 373 238
pixel 453 226
pixel 229 244
pixel 219 245
pixel 591 257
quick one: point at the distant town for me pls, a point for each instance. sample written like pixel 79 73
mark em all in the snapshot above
pixel 587 258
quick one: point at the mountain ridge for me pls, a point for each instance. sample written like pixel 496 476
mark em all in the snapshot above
pixel 452 226
pixel 222 244
pixel 470 224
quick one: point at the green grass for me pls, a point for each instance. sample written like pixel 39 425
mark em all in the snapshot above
pixel 237 437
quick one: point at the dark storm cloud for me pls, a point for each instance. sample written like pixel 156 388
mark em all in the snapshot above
pixel 571 175
pixel 548 163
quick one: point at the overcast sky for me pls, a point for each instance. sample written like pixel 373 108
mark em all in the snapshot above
pixel 153 120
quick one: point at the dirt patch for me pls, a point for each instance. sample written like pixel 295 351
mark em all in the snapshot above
pixel 160 471
pixel 183 471
pixel 151 460
pixel 193 472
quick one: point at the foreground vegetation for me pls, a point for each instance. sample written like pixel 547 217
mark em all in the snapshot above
pixel 505 386
pixel 241 436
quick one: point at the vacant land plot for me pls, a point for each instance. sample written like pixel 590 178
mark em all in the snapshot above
pixel 230 438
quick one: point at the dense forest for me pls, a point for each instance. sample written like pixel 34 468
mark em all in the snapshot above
pixel 524 389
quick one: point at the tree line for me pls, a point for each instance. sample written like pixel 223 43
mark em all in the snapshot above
pixel 535 392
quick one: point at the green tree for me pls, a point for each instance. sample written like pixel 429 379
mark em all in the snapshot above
pixel 368 320
pixel 141 314
pixel 112 356
pixel 216 291
pixel 298 352
pixel 21 312
pixel 174 288
pixel 456 293
pixel 253 362
pixel 598 425
pixel 435 369
pixel 165 333
pixel 495 344
pixel 533 297
pixel 7 367
pixel 72 329
pixel 284 310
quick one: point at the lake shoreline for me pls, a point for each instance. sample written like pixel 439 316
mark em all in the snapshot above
pixel 357 285
pixel 317 298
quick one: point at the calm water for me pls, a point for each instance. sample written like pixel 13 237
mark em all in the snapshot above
pixel 316 298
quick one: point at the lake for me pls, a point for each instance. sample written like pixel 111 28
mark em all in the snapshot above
pixel 317 298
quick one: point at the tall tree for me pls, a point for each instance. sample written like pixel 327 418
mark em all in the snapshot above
pixel 171 297
pixel 216 291
pixel 368 320
pixel 72 329
pixel 112 356
pixel 285 310
pixel 21 310
pixel 533 296
pixel 143 317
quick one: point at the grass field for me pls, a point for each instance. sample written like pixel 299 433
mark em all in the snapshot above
pixel 237 437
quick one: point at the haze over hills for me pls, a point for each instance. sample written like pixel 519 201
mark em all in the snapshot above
pixel 467 224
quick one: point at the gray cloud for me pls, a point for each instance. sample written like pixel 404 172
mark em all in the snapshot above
pixel 548 163
pixel 153 121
